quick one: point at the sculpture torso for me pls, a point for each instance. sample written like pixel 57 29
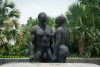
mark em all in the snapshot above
pixel 60 48
pixel 42 37
pixel 63 33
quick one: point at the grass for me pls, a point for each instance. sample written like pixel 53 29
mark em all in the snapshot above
pixel 14 57
pixel 28 57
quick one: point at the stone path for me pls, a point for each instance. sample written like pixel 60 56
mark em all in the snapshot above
pixel 49 65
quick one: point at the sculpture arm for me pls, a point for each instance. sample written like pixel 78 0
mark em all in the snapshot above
pixel 53 34
pixel 51 42
pixel 32 43
pixel 58 38
pixel 57 44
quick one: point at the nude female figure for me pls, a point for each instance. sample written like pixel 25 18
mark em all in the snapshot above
pixel 60 50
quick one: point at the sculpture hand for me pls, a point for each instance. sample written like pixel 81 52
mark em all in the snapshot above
pixel 54 59
pixel 31 58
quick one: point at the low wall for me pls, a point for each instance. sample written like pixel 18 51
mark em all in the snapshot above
pixel 69 60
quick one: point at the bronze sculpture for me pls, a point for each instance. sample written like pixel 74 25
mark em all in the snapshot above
pixel 41 44
pixel 60 36
pixel 40 41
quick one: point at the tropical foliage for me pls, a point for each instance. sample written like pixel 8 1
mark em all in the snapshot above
pixel 9 26
pixel 82 24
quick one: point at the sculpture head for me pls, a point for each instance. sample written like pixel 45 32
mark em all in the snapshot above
pixel 60 20
pixel 42 17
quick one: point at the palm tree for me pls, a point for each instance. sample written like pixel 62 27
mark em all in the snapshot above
pixel 9 26
pixel 76 27
pixel 82 23
pixel 92 8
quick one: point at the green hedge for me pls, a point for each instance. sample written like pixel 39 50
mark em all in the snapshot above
pixel 28 57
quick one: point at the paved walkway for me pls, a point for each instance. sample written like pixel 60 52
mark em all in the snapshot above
pixel 49 65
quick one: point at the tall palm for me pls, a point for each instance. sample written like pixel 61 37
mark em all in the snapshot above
pixel 74 24
pixel 82 25
pixel 92 8
pixel 9 26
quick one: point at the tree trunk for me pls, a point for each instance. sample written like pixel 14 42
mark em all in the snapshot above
pixel 82 49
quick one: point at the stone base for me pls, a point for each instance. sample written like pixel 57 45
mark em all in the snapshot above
pixel 69 60
pixel 49 65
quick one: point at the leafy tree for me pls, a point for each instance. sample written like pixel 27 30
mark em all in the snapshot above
pixel 9 26
pixel 83 20
pixel 25 29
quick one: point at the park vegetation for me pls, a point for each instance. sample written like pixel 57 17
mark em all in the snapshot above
pixel 82 24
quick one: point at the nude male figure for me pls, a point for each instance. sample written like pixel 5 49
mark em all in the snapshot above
pixel 40 40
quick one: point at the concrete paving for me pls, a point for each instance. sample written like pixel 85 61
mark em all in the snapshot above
pixel 49 65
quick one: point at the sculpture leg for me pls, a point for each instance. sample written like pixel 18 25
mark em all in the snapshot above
pixel 60 56
pixel 38 57
pixel 55 54
pixel 63 53
pixel 64 59
pixel 49 55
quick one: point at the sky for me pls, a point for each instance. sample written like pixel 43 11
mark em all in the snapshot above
pixel 31 8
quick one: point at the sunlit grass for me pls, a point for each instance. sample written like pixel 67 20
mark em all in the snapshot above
pixel 28 57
